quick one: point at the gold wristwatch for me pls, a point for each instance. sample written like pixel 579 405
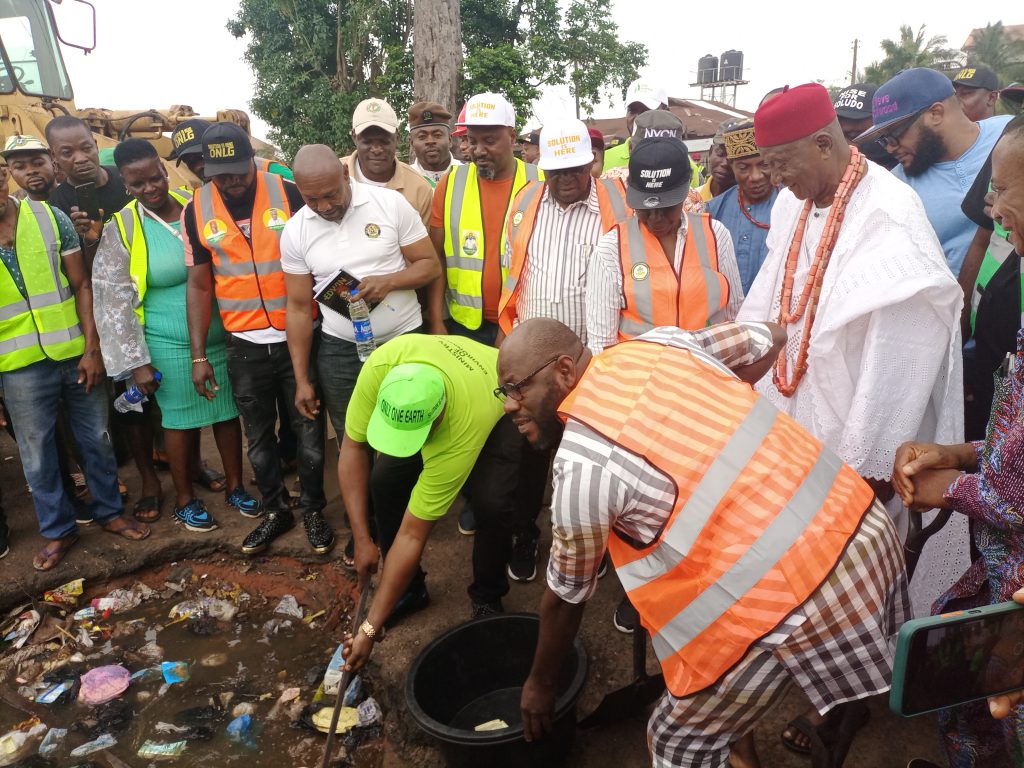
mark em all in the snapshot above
pixel 368 629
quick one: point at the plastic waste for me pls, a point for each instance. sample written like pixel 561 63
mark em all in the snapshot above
pixel 117 601
pixel 175 671
pixel 66 594
pixel 133 397
pixel 20 741
pixel 289 606
pixel 492 725
pixel 52 741
pixel 152 750
pixel 18 629
pixel 106 741
pixel 214 660
pixel 244 708
pixel 352 693
pixel 85 614
pixel 243 731
pixel 61 693
pixel 223 610
pixel 369 713
pixel 359 313
pixel 102 684
pixel 348 718
pixel 147 675
pixel 332 677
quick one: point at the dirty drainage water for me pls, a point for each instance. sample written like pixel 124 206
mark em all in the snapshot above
pixel 209 664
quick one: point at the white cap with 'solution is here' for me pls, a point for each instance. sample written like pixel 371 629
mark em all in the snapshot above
pixel 489 109
pixel 564 144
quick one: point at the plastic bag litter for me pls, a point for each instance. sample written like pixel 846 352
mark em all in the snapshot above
pixel 18 629
pixel 243 730
pixel 106 741
pixel 353 692
pixel 348 718
pixel 152 750
pixel 222 610
pixel 118 601
pixel 175 671
pixel 369 713
pixel 147 674
pixel 85 614
pixel 102 684
pixel 492 725
pixel 151 651
pixel 66 594
pixel 61 693
pixel 289 606
pixel 20 741
pixel 52 741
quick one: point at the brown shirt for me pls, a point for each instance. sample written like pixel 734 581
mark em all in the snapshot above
pixel 406 180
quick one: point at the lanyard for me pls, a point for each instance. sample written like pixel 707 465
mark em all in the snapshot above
pixel 163 223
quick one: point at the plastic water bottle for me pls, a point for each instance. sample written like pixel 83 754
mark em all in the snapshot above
pixel 133 397
pixel 359 312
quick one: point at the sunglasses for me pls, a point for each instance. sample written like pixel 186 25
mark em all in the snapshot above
pixel 891 138
pixel 515 391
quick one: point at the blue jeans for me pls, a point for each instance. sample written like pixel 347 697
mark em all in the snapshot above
pixel 485 334
pixel 33 395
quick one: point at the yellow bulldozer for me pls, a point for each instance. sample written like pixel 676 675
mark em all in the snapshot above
pixel 35 87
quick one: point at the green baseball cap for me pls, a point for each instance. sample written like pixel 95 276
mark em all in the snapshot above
pixel 409 400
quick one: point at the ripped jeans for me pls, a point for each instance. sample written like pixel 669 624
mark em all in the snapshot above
pixel 260 373
pixel 33 394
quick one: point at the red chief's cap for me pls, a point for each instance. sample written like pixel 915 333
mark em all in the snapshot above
pixel 793 114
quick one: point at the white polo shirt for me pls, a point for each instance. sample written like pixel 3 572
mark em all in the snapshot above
pixel 365 242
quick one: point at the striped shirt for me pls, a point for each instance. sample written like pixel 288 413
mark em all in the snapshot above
pixel 605 300
pixel 554 279
pixel 597 486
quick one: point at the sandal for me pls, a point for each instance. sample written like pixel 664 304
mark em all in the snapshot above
pixel 127 529
pixel 54 551
pixel 147 509
pixel 831 740
pixel 348 555
pixel 161 459
pixel 801 724
pixel 211 479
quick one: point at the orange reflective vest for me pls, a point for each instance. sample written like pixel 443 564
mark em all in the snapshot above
pixel 654 294
pixel 249 281
pixel 763 511
pixel 611 200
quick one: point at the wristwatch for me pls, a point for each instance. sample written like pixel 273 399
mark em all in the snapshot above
pixel 368 629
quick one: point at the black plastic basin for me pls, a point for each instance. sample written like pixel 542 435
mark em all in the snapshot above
pixel 473 674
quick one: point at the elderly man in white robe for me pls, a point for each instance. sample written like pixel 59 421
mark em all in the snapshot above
pixel 857 277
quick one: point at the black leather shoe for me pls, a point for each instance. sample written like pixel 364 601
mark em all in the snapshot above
pixel 483 610
pixel 414 600
pixel 276 522
pixel 625 617
pixel 318 531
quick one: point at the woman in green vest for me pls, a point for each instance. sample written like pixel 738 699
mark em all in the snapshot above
pixel 139 278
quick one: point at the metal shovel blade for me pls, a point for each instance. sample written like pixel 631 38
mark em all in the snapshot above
pixel 633 698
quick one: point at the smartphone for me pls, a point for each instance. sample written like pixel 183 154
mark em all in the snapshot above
pixel 954 658
pixel 87 200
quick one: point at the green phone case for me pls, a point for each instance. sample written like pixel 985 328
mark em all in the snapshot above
pixel 904 644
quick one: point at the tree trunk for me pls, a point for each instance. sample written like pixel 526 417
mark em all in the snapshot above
pixel 437 51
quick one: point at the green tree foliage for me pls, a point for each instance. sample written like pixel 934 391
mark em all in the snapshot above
pixel 912 49
pixel 992 46
pixel 315 60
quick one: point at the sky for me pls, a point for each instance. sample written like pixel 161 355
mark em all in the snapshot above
pixel 782 42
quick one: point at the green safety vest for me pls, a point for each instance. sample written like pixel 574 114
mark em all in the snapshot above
pixel 997 252
pixel 618 157
pixel 464 246
pixel 43 324
pixel 129 222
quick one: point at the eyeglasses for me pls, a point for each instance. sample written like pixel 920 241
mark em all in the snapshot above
pixel 891 138
pixel 515 391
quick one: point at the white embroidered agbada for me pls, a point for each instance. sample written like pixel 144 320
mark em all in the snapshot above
pixel 884 362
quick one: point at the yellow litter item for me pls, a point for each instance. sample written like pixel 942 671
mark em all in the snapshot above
pixel 492 725
pixel 348 719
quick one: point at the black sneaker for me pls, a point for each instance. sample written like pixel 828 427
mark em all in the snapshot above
pixel 275 523
pixel 625 617
pixel 602 571
pixel 483 610
pixel 413 601
pixel 84 517
pixel 522 566
pixel 318 531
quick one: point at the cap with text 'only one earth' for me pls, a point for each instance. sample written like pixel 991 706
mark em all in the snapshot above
pixel 410 398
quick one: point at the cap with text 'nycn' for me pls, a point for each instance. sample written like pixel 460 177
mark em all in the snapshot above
pixel 565 144
pixel 187 138
pixel 903 96
pixel 227 149
pixel 488 109
pixel 410 398
pixel 648 94
pixel 374 113
pixel 23 143
pixel 656 124
pixel 659 174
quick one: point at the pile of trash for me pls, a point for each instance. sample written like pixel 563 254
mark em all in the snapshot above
pixel 220 675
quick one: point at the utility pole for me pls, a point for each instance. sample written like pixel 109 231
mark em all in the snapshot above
pixel 853 72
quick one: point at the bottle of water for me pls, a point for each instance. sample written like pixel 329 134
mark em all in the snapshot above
pixel 359 312
pixel 133 397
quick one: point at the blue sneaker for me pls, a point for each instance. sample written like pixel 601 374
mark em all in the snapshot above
pixel 243 501
pixel 195 516
pixel 467 521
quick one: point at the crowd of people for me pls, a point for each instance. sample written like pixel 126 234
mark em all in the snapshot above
pixel 747 388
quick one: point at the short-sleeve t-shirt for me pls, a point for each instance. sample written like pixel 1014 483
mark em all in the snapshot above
pixel 470 372
pixel 495 197
pixel 112 196
pixel 367 241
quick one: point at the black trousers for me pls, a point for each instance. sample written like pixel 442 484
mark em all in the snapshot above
pixel 505 488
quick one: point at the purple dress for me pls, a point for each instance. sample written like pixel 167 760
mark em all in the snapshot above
pixel 993 499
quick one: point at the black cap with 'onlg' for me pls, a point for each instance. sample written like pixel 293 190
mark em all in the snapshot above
pixel 227 150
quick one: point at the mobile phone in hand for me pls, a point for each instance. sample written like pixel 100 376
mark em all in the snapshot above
pixel 87 200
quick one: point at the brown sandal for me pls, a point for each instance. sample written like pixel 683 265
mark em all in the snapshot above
pixel 51 555
pixel 127 529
